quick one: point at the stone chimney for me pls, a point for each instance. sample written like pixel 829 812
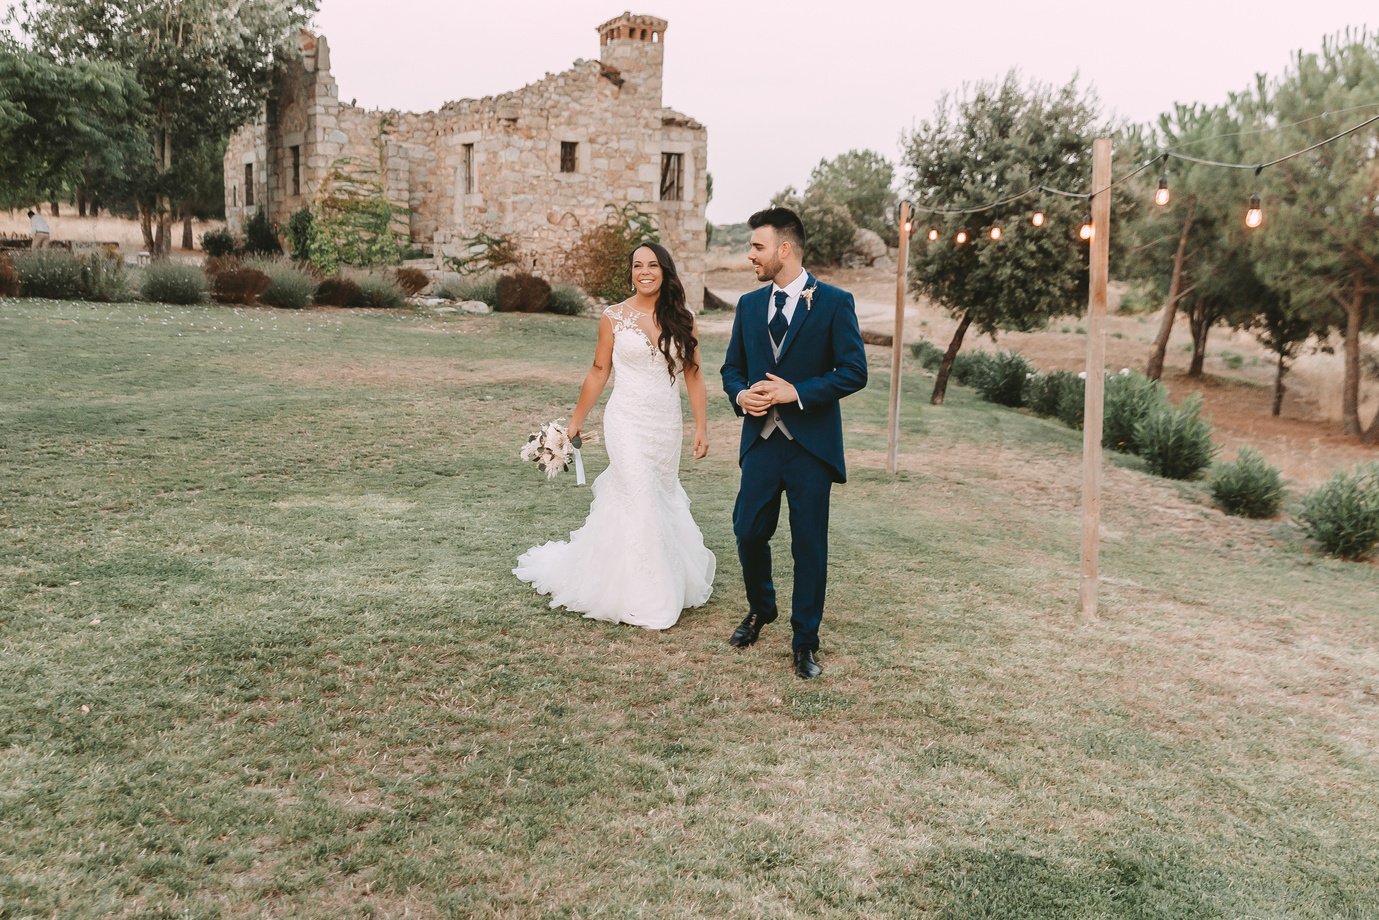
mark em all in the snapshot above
pixel 634 46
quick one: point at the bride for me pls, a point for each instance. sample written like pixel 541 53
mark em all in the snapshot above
pixel 639 558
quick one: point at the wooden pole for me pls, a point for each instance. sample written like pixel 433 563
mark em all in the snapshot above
pixel 898 341
pixel 1096 377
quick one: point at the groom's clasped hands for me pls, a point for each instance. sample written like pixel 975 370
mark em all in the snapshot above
pixel 764 394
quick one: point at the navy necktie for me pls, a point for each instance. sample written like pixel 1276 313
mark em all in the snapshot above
pixel 778 325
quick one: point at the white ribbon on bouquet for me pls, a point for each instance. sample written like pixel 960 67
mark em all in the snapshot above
pixel 575 442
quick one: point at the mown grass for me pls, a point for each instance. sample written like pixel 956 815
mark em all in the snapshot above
pixel 261 654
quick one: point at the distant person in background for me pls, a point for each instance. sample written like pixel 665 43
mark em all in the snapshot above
pixel 38 227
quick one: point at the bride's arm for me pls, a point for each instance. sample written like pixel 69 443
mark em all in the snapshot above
pixel 596 379
pixel 698 400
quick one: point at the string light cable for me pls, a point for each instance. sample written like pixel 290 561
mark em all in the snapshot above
pixel 1162 158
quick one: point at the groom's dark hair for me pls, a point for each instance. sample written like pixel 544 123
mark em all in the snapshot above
pixel 786 222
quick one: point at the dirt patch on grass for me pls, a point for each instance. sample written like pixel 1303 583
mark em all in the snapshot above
pixel 408 372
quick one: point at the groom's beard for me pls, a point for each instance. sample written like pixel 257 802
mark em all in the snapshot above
pixel 768 270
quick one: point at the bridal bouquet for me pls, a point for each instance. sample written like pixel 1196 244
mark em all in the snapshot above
pixel 552 450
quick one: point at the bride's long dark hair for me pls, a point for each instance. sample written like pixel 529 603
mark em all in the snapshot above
pixel 673 316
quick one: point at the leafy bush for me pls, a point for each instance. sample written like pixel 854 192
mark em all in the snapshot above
pixel 214 265
pixel 483 288
pixel 339 292
pixel 299 234
pixel 1342 514
pixel 239 285
pixel 173 282
pixel 379 291
pixel 219 243
pixel 568 300
pixel 260 239
pixel 1130 397
pixel 598 260
pixel 969 368
pixel 1041 393
pixel 103 278
pixel 289 285
pixel 1069 398
pixel 412 280
pixel 485 253
pixel 929 355
pixel 1175 443
pixel 62 276
pixel 9 278
pixel 1248 487
pixel 354 223
pixel 523 293
pixel 1004 379
pixel 49 273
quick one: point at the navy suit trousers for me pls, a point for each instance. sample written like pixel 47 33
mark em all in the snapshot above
pixel 779 465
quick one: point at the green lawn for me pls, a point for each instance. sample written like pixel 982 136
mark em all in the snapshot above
pixel 261 654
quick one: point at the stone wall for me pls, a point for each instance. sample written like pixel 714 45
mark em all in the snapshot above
pixel 539 165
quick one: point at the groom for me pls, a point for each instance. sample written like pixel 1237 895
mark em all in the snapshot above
pixel 795 351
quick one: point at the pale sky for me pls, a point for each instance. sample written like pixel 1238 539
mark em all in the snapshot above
pixel 782 85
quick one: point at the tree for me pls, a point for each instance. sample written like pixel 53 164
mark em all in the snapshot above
pixel 994 140
pixel 1177 246
pixel 1282 329
pixel 1320 242
pixel 59 125
pixel 1230 291
pixel 204 65
pixel 861 181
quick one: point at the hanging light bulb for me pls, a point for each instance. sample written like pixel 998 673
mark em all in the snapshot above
pixel 1255 215
pixel 933 233
pixel 1038 217
pixel 1162 195
pixel 1086 231
pixel 909 225
pixel 996 230
pixel 961 237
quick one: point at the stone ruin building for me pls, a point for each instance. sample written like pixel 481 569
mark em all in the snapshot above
pixel 538 165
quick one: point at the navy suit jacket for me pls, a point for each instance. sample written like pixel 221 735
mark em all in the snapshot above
pixel 822 355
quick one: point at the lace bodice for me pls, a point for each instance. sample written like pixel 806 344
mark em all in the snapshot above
pixel 634 342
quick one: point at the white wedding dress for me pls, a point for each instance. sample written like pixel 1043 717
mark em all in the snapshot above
pixel 639 558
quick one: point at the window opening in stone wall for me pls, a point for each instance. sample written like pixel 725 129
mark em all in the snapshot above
pixel 248 185
pixel 234 196
pixel 672 177
pixel 296 170
pixel 467 179
pixel 655 37
pixel 568 156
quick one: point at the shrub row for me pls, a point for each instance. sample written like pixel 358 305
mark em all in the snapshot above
pixel 521 292
pixel 1341 516
pixel 1137 416
pixel 60 275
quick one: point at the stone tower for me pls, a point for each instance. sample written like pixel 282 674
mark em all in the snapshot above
pixel 634 47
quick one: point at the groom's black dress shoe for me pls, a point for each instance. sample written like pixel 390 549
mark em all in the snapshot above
pixel 806 668
pixel 750 627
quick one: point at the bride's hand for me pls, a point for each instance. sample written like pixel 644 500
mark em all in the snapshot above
pixel 572 431
pixel 701 445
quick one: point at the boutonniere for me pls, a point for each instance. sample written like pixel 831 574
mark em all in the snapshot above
pixel 807 295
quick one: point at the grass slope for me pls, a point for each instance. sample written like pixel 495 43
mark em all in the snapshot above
pixel 261 655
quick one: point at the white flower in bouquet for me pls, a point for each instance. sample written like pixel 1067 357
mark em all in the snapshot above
pixel 550 449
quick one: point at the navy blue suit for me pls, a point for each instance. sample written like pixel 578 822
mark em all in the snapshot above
pixel 823 357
